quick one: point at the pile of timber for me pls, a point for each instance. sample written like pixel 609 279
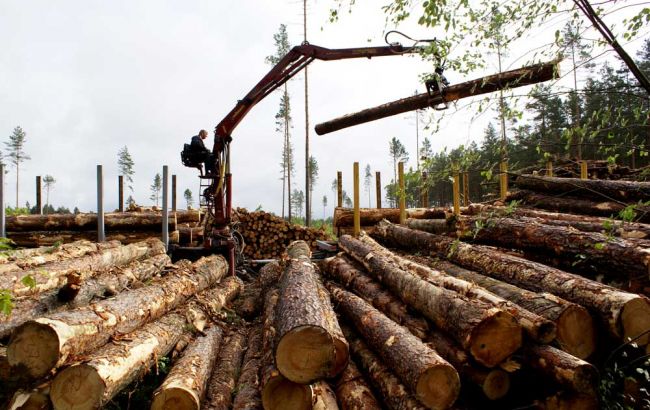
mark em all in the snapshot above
pixel 266 236
pixel 344 217
pixel 594 197
pixel 596 169
pixel 126 227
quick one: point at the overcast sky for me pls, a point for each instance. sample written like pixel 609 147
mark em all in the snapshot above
pixel 85 78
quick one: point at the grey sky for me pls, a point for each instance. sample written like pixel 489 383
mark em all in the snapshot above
pixel 84 78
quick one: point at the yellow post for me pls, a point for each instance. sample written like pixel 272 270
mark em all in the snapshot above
pixel 549 168
pixel 339 188
pixel 466 188
pixel 357 214
pixel 401 194
pixel 503 180
pixel 583 170
pixel 378 188
pixel 456 190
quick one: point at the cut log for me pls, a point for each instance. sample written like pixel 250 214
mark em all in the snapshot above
pixel 625 315
pixel 510 79
pixel 324 397
pixel 185 385
pixel 353 392
pixel 490 334
pixel 45 343
pixel 627 191
pixel 249 304
pixel 105 372
pixel 224 376
pixel 348 274
pixel 537 327
pixel 305 350
pixel 574 205
pixel 433 380
pixel 394 394
pixel 116 221
pixel 344 217
pixel 494 383
pixel 576 332
pixel 248 393
pixel 112 281
pixel 278 393
pixel 52 238
pixel 54 275
pixel 569 371
pixel 215 299
pixel 607 255
pixel 570 401
pixel 342 354
pixel 37 398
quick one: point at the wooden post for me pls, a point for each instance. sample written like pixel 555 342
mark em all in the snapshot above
pixel 424 192
pixel 39 203
pixel 466 188
pixel 357 214
pixel 339 188
pixel 120 190
pixel 173 193
pixel 378 189
pixel 401 193
pixel 101 236
pixel 503 180
pixel 456 190
pixel 549 168
pixel 583 170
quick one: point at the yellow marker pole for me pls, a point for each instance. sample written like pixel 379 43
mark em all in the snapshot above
pixel 378 188
pixel 583 170
pixel 357 214
pixel 466 188
pixel 401 194
pixel 549 168
pixel 339 188
pixel 503 179
pixel 456 190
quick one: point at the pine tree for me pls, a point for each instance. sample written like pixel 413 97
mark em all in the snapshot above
pixel 188 198
pixel 156 187
pixel 125 166
pixel 367 182
pixel 324 207
pixel 48 184
pixel 16 153
pixel 398 154
pixel 298 200
pixel 313 177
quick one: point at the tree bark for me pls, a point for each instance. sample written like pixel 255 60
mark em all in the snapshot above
pixel 433 381
pixel 215 299
pixel 251 300
pixel 305 350
pixel 576 331
pixel 106 284
pixel 607 255
pixel 324 397
pixel 344 217
pixel 117 221
pixel 52 238
pixel 569 371
pixel 112 281
pixel 576 205
pixel 494 383
pixel 509 79
pixel 537 327
pixel 5 368
pixel 224 376
pixel 625 315
pixel 353 392
pixel 278 393
pixel 627 191
pixel 53 275
pixel 106 371
pixel 248 386
pixel 45 343
pixel 343 271
pixel 490 334
pixel 185 385
pixel 394 394
pixel 570 401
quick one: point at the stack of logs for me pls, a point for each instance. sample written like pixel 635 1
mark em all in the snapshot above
pixel 596 169
pixel 266 235
pixel 126 227
pixel 93 318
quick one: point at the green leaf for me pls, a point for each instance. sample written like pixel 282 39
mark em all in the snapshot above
pixel 599 246
pixel 28 280
pixel 6 303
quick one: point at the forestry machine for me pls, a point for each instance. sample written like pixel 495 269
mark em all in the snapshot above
pixel 220 233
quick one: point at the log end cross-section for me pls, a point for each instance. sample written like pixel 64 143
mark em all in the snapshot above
pixel 495 338
pixel 35 348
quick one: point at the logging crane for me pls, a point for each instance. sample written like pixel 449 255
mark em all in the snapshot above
pixel 220 234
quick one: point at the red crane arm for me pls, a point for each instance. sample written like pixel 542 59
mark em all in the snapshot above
pixel 294 61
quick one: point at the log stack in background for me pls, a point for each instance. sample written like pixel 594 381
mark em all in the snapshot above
pixel 267 235
pixel 126 227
